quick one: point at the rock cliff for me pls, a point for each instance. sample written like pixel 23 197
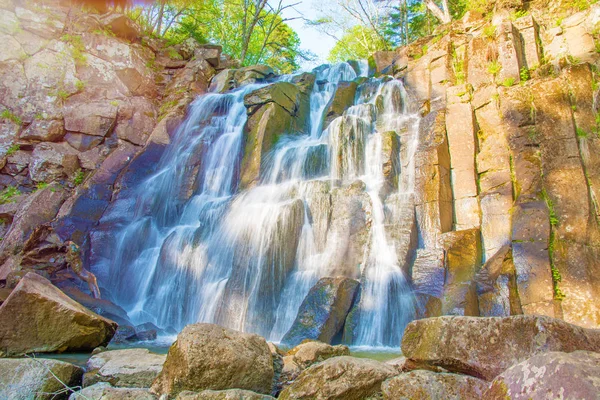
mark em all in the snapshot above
pixel 505 216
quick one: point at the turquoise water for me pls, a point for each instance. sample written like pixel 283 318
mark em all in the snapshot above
pixel 162 347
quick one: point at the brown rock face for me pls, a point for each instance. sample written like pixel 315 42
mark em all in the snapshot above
pixel 323 312
pixel 208 356
pixel 485 347
pixel 427 385
pixel 48 321
pixel 463 260
pixel 346 378
pixel 555 374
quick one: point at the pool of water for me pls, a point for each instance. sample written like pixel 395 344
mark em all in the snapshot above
pixel 162 344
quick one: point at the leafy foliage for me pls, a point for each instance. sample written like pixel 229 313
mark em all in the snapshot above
pixel 358 43
pixel 228 23
pixel 8 194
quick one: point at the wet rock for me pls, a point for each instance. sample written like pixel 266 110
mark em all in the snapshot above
pixel 341 101
pixel 550 375
pixel 274 110
pixel 279 248
pixel 227 359
pixel 231 394
pixel 29 378
pixel 285 94
pixel 323 311
pixel 348 230
pixel 104 391
pixel 485 347
pixel 229 79
pixel 134 368
pixel 68 326
pixel 103 307
pixel 429 385
pixel 346 378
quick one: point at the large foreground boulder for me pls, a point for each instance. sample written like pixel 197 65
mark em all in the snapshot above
pixel 343 378
pixel 303 356
pixel 104 391
pixel 485 347
pixel 427 385
pixel 231 394
pixel 323 311
pixel 135 368
pixel 38 317
pixel 28 378
pixel 207 356
pixel 552 375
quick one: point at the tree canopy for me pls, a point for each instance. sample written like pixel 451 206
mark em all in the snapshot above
pixel 252 31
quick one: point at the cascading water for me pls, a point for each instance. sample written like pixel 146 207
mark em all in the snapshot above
pixel 200 250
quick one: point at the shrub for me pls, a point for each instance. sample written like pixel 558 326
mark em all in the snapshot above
pixel 8 194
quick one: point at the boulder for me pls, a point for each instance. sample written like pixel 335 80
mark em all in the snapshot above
pixel 103 307
pixel 323 311
pixel 31 378
pixel 67 325
pixel 346 378
pixel 121 26
pixel 273 111
pixel 226 359
pixel 554 375
pixel 230 79
pixel 210 53
pixel 44 130
pixel 427 385
pixel 52 161
pixel 104 391
pixel 135 368
pixel 341 101
pixel 231 394
pixel 96 119
pixel 485 347
pixel 309 353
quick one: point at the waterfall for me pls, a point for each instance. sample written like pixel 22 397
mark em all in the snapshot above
pixel 199 249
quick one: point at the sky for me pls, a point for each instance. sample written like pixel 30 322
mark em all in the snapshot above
pixel 311 38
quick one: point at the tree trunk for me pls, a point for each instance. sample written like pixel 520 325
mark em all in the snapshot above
pixel 442 15
pixel 161 13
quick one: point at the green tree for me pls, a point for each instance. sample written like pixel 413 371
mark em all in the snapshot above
pixel 358 43
pixel 252 31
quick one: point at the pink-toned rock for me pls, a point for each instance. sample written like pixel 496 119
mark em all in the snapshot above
pixel 51 161
pixel 95 119
pixel 551 375
pixel 44 131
